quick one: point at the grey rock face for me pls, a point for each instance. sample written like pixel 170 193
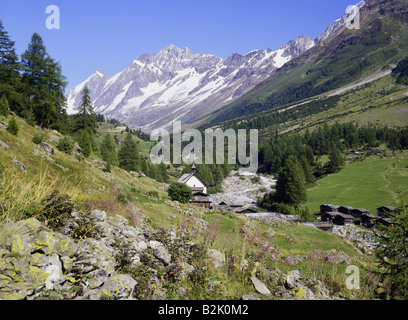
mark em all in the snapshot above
pixel 160 251
pixel 217 258
pixel 47 148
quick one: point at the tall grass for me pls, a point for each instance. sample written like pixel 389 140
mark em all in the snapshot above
pixel 22 196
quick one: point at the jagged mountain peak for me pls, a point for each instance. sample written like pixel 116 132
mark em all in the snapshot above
pixel 180 84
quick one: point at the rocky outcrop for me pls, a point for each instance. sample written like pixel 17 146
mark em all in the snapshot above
pixel 3 146
pixel 20 165
pixel 47 148
pixel 39 262
pixel 97 256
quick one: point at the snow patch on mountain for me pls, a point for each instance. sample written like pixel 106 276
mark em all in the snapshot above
pixel 179 84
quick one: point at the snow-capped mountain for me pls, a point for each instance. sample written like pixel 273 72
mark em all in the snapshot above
pixel 178 84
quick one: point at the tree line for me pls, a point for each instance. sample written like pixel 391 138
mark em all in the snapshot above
pixel 295 159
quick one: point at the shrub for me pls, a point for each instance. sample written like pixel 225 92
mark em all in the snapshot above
pixel 180 192
pixel 38 138
pixel 13 127
pixel 79 156
pixel 153 194
pixel 305 214
pixel 65 144
pixel 55 209
pixel 279 207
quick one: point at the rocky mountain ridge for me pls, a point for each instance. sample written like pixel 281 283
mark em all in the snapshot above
pixel 178 84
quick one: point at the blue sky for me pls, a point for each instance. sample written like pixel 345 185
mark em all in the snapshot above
pixel 110 34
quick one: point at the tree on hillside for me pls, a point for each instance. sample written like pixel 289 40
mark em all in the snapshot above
pixel 162 174
pixel 84 140
pixel 9 71
pixel 128 155
pixel 108 149
pixel 43 86
pixel 4 106
pixel 392 254
pixel 291 184
pixel 85 108
pixel 86 119
pixel 336 160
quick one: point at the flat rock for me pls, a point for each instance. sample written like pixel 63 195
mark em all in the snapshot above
pixel 260 287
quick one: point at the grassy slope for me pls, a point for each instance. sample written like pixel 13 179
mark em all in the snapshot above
pixel 83 181
pixel 369 184
pixel 382 102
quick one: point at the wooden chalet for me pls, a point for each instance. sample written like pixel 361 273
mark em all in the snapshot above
pixel 328 208
pixel 346 209
pixel 343 219
pixel 231 204
pixel 368 220
pixel 220 208
pixel 358 213
pixel 329 216
pixel 201 199
pixel 325 226
pixel 385 211
pixel 386 222
pixel 244 210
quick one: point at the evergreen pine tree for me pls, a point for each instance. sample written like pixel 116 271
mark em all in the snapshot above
pixel 162 173
pixel 86 117
pixel 44 85
pixel 108 149
pixel 9 71
pixel 307 169
pixel 128 155
pixel 291 184
pixel 4 106
pixel 391 252
pixel 84 141
pixel 336 160
pixel 85 108
pixel 144 166
pixel 205 173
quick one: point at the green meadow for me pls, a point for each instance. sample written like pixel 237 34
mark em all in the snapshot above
pixel 369 184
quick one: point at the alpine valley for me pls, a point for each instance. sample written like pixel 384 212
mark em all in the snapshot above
pixel 85 214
